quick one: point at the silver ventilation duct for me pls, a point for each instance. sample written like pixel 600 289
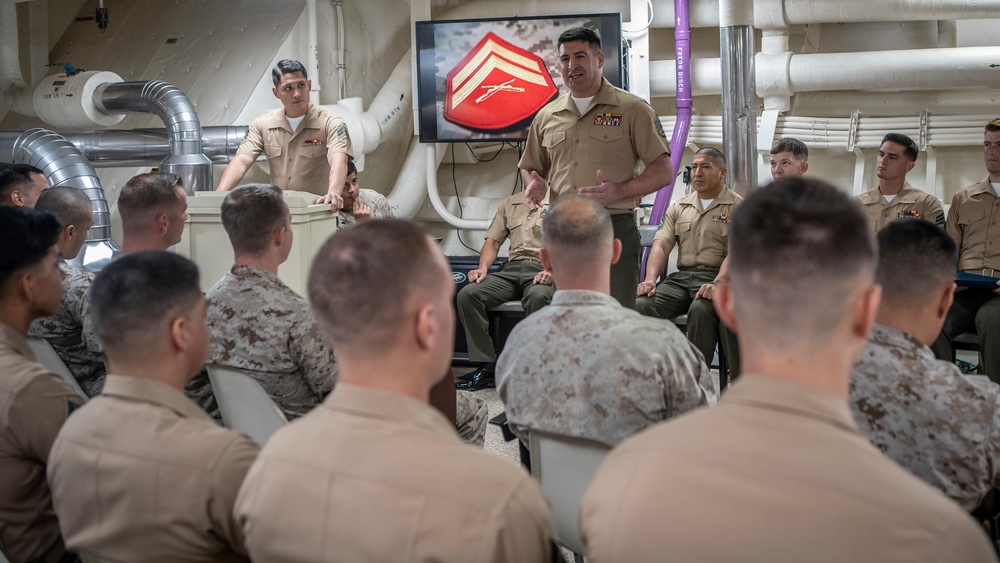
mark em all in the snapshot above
pixel 148 147
pixel 63 165
pixel 180 118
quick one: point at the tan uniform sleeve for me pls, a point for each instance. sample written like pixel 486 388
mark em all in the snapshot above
pixel 498 228
pixel 534 156
pixel 230 469
pixel 648 138
pixel 965 541
pixel 934 212
pixel 952 224
pixel 337 139
pixel 253 143
pixel 526 531
pixel 40 411
pixel 666 232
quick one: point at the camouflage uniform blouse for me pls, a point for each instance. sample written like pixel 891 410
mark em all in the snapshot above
pixel 260 326
pixel 925 414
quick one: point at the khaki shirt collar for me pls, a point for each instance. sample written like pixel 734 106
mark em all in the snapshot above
pixel 984 187
pixel 16 341
pixel 790 397
pixel 388 406
pixel 889 337
pixel 280 121
pixel 606 95
pixel 519 199
pixel 725 197
pixel 153 392
pixel 906 195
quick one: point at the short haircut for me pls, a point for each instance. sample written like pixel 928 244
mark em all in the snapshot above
pixel 250 214
pixel 716 155
pixel 15 176
pixel 993 126
pixel 797 250
pixel 910 148
pixel 575 226
pixel 138 292
pixel 351 167
pixel 287 66
pixel 145 194
pixel 27 235
pixel 69 205
pixel 363 280
pixel 581 34
pixel 790 144
pixel 915 260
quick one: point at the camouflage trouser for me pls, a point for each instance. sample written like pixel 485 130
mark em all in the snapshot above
pixel 471 416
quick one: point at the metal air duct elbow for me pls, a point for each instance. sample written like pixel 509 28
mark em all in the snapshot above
pixel 167 102
pixel 64 165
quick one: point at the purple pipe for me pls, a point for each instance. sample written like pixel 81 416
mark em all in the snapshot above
pixel 682 48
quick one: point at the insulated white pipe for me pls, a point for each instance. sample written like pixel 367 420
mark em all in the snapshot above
pixel 778 14
pixel 912 69
pixel 432 192
pixel 897 70
pixel 10 62
pixel 524 8
pixel 410 189
pixel 312 61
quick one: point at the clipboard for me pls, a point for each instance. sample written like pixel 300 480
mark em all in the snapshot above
pixel 975 280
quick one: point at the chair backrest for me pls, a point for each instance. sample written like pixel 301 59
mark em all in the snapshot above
pixel 646 234
pixel 244 405
pixel 564 467
pixel 48 357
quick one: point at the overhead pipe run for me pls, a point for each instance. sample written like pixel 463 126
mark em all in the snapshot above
pixel 167 102
pixel 63 165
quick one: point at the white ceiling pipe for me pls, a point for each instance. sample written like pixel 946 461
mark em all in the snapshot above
pixel 525 8
pixel 706 77
pixel 777 14
pixel 912 69
pixel 915 69
pixel 14 90
pixel 432 193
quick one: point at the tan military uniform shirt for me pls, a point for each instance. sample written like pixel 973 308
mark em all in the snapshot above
pixel 588 368
pixel 34 403
pixel 298 161
pixel 909 202
pixel 928 416
pixel 702 234
pixel 142 474
pixel 258 325
pixel 390 482
pixel 784 464
pixel 616 132
pixel 972 222
pixel 523 225
pixel 379 205
pixel 73 339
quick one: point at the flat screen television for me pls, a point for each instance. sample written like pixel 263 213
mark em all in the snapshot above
pixel 485 79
